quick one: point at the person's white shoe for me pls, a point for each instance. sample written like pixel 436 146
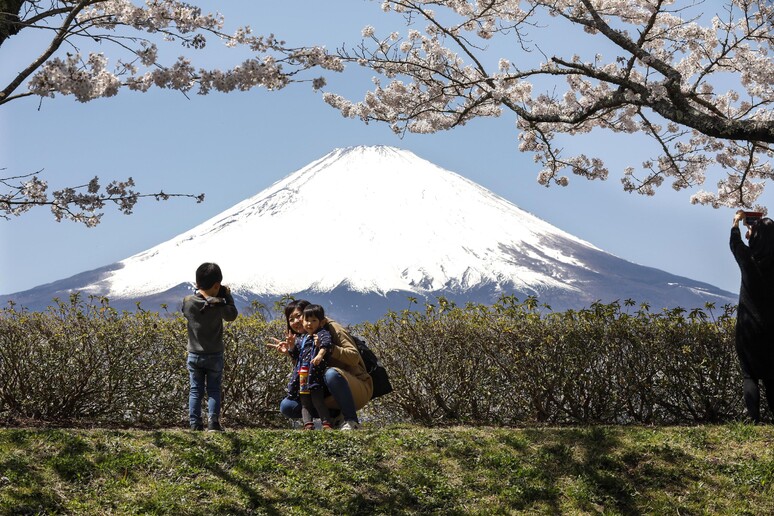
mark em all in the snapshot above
pixel 338 421
pixel 350 425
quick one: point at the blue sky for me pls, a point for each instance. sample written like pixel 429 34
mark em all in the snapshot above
pixel 231 146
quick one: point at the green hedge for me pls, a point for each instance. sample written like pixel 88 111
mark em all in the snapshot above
pixel 517 363
pixel 513 363
pixel 86 363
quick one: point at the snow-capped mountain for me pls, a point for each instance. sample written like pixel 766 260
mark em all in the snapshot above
pixel 364 228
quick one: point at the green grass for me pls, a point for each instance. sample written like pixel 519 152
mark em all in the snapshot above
pixel 727 469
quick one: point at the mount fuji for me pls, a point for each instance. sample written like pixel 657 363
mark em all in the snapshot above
pixel 361 230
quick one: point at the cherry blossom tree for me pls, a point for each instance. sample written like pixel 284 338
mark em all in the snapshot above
pixel 73 62
pixel 696 78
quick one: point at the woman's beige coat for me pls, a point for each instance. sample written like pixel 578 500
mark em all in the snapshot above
pixel 346 359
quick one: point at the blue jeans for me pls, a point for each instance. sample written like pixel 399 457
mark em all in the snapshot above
pixel 204 369
pixel 338 387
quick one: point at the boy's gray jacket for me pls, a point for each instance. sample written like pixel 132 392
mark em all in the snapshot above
pixel 205 321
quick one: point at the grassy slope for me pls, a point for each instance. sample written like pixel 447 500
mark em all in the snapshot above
pixel 399 470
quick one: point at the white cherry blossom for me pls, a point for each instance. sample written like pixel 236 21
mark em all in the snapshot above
pixel 697 78
pixel 135 31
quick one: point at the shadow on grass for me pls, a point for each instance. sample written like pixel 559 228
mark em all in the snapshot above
pixel 26 490
pixel 437 471
pixel 603 470
pixel 206 452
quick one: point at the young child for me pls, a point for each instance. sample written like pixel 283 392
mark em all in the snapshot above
pixel 205 311
pixel 311 351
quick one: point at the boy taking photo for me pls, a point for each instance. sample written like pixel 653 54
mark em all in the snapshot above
pixel 205 311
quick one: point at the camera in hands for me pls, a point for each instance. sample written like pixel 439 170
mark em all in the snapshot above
pixel 752 217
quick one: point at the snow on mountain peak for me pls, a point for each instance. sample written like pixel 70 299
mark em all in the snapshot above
pixel 376 219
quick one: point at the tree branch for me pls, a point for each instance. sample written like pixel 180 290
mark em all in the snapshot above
pixel 61 36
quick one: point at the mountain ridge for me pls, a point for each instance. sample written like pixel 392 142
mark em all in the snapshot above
pixel 380 221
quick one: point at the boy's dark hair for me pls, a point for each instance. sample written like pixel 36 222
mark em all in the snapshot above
pixel 207 275
pixel 316 311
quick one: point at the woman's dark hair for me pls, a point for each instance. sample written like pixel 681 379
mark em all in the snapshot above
pixel 762 242
pixel 296 304
pixel 316 311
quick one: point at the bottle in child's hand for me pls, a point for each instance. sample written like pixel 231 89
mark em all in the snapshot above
pixel 303 380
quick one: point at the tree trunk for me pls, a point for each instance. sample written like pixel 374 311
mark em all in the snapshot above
pixel 9 18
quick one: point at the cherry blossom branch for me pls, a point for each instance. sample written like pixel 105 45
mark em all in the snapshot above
pixel 89 77
pixel 666 58
pixel 61 35
pixel 89 30
pixel 82 203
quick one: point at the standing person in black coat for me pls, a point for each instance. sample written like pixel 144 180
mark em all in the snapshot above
pixel 755 312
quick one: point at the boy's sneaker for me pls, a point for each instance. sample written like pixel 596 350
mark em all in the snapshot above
pixel 197 427
pixel 214 426
pixel 350 425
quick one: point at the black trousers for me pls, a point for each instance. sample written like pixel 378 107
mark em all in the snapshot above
pixel 752 396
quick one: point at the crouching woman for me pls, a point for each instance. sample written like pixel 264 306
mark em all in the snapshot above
pixel 347 384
